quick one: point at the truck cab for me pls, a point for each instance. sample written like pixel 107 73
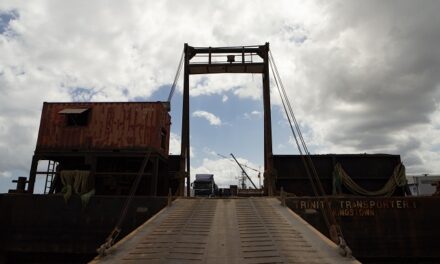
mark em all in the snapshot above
pixel 204 185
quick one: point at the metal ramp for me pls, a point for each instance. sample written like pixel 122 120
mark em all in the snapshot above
pixel 248 230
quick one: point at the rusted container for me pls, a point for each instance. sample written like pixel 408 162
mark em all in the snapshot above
pixel 103 126
pixel 370 171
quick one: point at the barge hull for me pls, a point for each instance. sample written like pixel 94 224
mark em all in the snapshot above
pixel 46 228
pixel 381 230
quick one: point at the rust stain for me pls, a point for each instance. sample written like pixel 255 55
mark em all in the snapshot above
pixel 131 125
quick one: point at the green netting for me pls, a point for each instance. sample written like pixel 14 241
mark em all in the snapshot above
pixel 340 177
pixel 77 182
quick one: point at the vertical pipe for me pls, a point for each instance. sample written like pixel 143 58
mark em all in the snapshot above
pixel 268 174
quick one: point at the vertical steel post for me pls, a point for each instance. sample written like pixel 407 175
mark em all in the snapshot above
pixel 268 166
pixel 33 174
pixel 93 163
pixel 184 148
pixel 188 143
pixel 154 176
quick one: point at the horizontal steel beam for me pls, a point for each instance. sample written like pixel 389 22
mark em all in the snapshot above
pixel 123 173
pixel 214 50
pixel 204 68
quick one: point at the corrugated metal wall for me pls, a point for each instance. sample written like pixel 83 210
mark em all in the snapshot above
pixel 131 125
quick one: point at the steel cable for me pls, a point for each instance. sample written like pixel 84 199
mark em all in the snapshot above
pixel 306 166
pixel 176 77
pixel 102 250
pixel 318 189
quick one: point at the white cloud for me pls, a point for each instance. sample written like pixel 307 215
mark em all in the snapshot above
pixel 281 146
pixel 253 114
pixel 210 152
pixel 359 87
pixel 242 85
pixel 6 174
pixel 213 119
pixel 362 75
pixel 175 145
pixel 225 98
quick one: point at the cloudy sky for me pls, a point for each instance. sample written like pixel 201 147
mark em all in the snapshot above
pixel 363 76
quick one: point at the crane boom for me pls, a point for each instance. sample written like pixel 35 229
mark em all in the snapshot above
pixel 244 165
pixel 245 173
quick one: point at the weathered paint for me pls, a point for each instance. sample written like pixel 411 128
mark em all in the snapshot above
pixel 131 125
pixel 381 230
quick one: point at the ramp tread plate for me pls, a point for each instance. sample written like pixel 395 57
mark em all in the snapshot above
pixel 251 230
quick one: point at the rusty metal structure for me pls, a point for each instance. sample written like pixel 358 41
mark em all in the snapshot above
pixel 215 60
pixel 108 139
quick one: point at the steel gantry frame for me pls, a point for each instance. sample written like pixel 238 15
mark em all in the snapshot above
pixel 210 60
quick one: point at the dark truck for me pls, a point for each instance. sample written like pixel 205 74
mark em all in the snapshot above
pixel 204 185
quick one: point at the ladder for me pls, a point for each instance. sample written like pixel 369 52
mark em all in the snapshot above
pixel 50 175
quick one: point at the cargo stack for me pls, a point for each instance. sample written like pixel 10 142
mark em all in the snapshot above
pixel 107 142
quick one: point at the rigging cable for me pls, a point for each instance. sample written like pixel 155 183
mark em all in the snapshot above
pixel 176 77
pixel 329 218
pixel 102 250
pixel 308 163
pixel 283 101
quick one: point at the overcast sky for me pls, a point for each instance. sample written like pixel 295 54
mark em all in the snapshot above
pixel 363 76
